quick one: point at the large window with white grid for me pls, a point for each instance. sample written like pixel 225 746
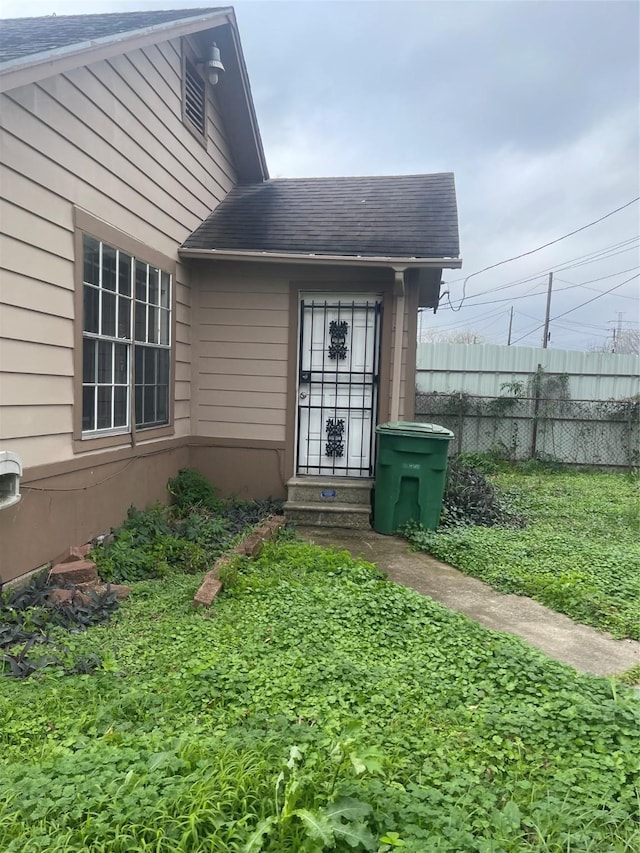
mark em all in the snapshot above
pixel 126 341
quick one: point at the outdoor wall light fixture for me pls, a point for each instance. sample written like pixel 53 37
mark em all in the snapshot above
pixel 213 64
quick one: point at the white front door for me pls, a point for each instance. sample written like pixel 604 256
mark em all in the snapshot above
pixel 338 384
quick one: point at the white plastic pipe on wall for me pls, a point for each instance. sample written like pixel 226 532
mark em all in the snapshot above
pixel 397 349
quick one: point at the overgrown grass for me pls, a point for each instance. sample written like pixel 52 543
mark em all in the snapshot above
pixel 579 552
pixel 315 707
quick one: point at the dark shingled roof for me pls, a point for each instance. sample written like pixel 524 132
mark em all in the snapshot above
pixel 22 37
pixel 391 216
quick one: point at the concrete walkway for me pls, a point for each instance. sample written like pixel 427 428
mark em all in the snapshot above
pixel 583 648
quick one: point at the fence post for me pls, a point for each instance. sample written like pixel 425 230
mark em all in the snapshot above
pixel 460 423
pixel 536 408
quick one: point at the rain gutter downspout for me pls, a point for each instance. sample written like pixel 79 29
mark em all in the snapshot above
pixel 397 343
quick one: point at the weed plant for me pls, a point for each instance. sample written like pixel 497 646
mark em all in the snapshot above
pixel 316 707
pixel 578 553
pixel 187 536
pixel 29 639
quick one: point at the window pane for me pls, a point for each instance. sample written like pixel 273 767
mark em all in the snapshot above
pixel 149 367
pixel 124 274
pixel 121 364
pixel 88 408
pixel 164 326
pixel 165 290
pixel 149 404
pixel 153 325
pixel 163 367
pixel 124 317
pixel 104 407
pixel 91 301
pixel 162 412
pixel 108 313
pixel 141 281
pixel 139 366
pixel 88 360
pixel 108 267
pixel 139 408
pixel 120 407
pixel 104 361
pixel 154 286
pixel 141 322
pixel 91 252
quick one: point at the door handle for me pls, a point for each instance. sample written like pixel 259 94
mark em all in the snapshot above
pixel 303 395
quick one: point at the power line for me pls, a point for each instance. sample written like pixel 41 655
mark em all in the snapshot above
pixel 559 290
pixel 539 248
pixel 582 304
pixel 579 261
pixel 604 249
pixel 611 275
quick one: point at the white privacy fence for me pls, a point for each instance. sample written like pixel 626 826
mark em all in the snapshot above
pixel 521 402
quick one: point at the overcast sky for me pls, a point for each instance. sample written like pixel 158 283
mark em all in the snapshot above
pixel 533 105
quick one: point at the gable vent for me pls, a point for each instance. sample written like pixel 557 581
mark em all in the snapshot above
pixel 194 97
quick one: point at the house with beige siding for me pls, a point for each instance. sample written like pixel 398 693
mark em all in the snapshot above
pixel 165 304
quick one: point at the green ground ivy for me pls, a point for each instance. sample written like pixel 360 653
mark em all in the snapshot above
pixel 579 553
pixel 315 707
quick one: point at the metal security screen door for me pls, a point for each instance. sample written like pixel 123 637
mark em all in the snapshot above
pixel 338 385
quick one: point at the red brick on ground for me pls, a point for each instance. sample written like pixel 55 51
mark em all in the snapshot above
pixel 209 589
pixel 60 597
pixel 251 545
pixel 74 553
pixel 274 524
pixel 80 571
pixel 121 591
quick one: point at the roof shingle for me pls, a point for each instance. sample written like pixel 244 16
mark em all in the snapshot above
pixel 387 216
pixel 22 37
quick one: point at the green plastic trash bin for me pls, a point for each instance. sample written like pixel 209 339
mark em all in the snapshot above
pixel 410 474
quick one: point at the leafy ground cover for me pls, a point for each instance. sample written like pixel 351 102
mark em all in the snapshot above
pixel 315 707
pixel 187 536
pixel 578 552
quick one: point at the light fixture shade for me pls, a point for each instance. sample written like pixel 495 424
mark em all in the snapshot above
pixel 214 65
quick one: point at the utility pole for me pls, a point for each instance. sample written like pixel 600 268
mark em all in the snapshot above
pixel 545 334
pixel 510 327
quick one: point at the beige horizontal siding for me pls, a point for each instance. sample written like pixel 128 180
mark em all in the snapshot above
pixel 241 370
pixel 242 383
pixel 22 324
pixel 243 334
pixel 28 259
pixel 39 420
pixel 241 431
pixel 24 358
pixel 37 450
pixel 108 138
pixel 258 399
pixel 23 191
pixel 243 351
pixel 35 295
pixel 17 389
pixel 47 236
pixel 242 367
pixel 273 317
pixel 244 300
pixel 242 415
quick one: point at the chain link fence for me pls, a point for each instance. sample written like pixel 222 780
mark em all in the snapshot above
pixel 579 432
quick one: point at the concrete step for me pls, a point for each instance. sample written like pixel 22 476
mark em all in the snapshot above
pixel 320 514
pixel 330 490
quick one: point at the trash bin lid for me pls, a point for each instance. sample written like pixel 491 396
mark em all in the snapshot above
pixel 419 430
